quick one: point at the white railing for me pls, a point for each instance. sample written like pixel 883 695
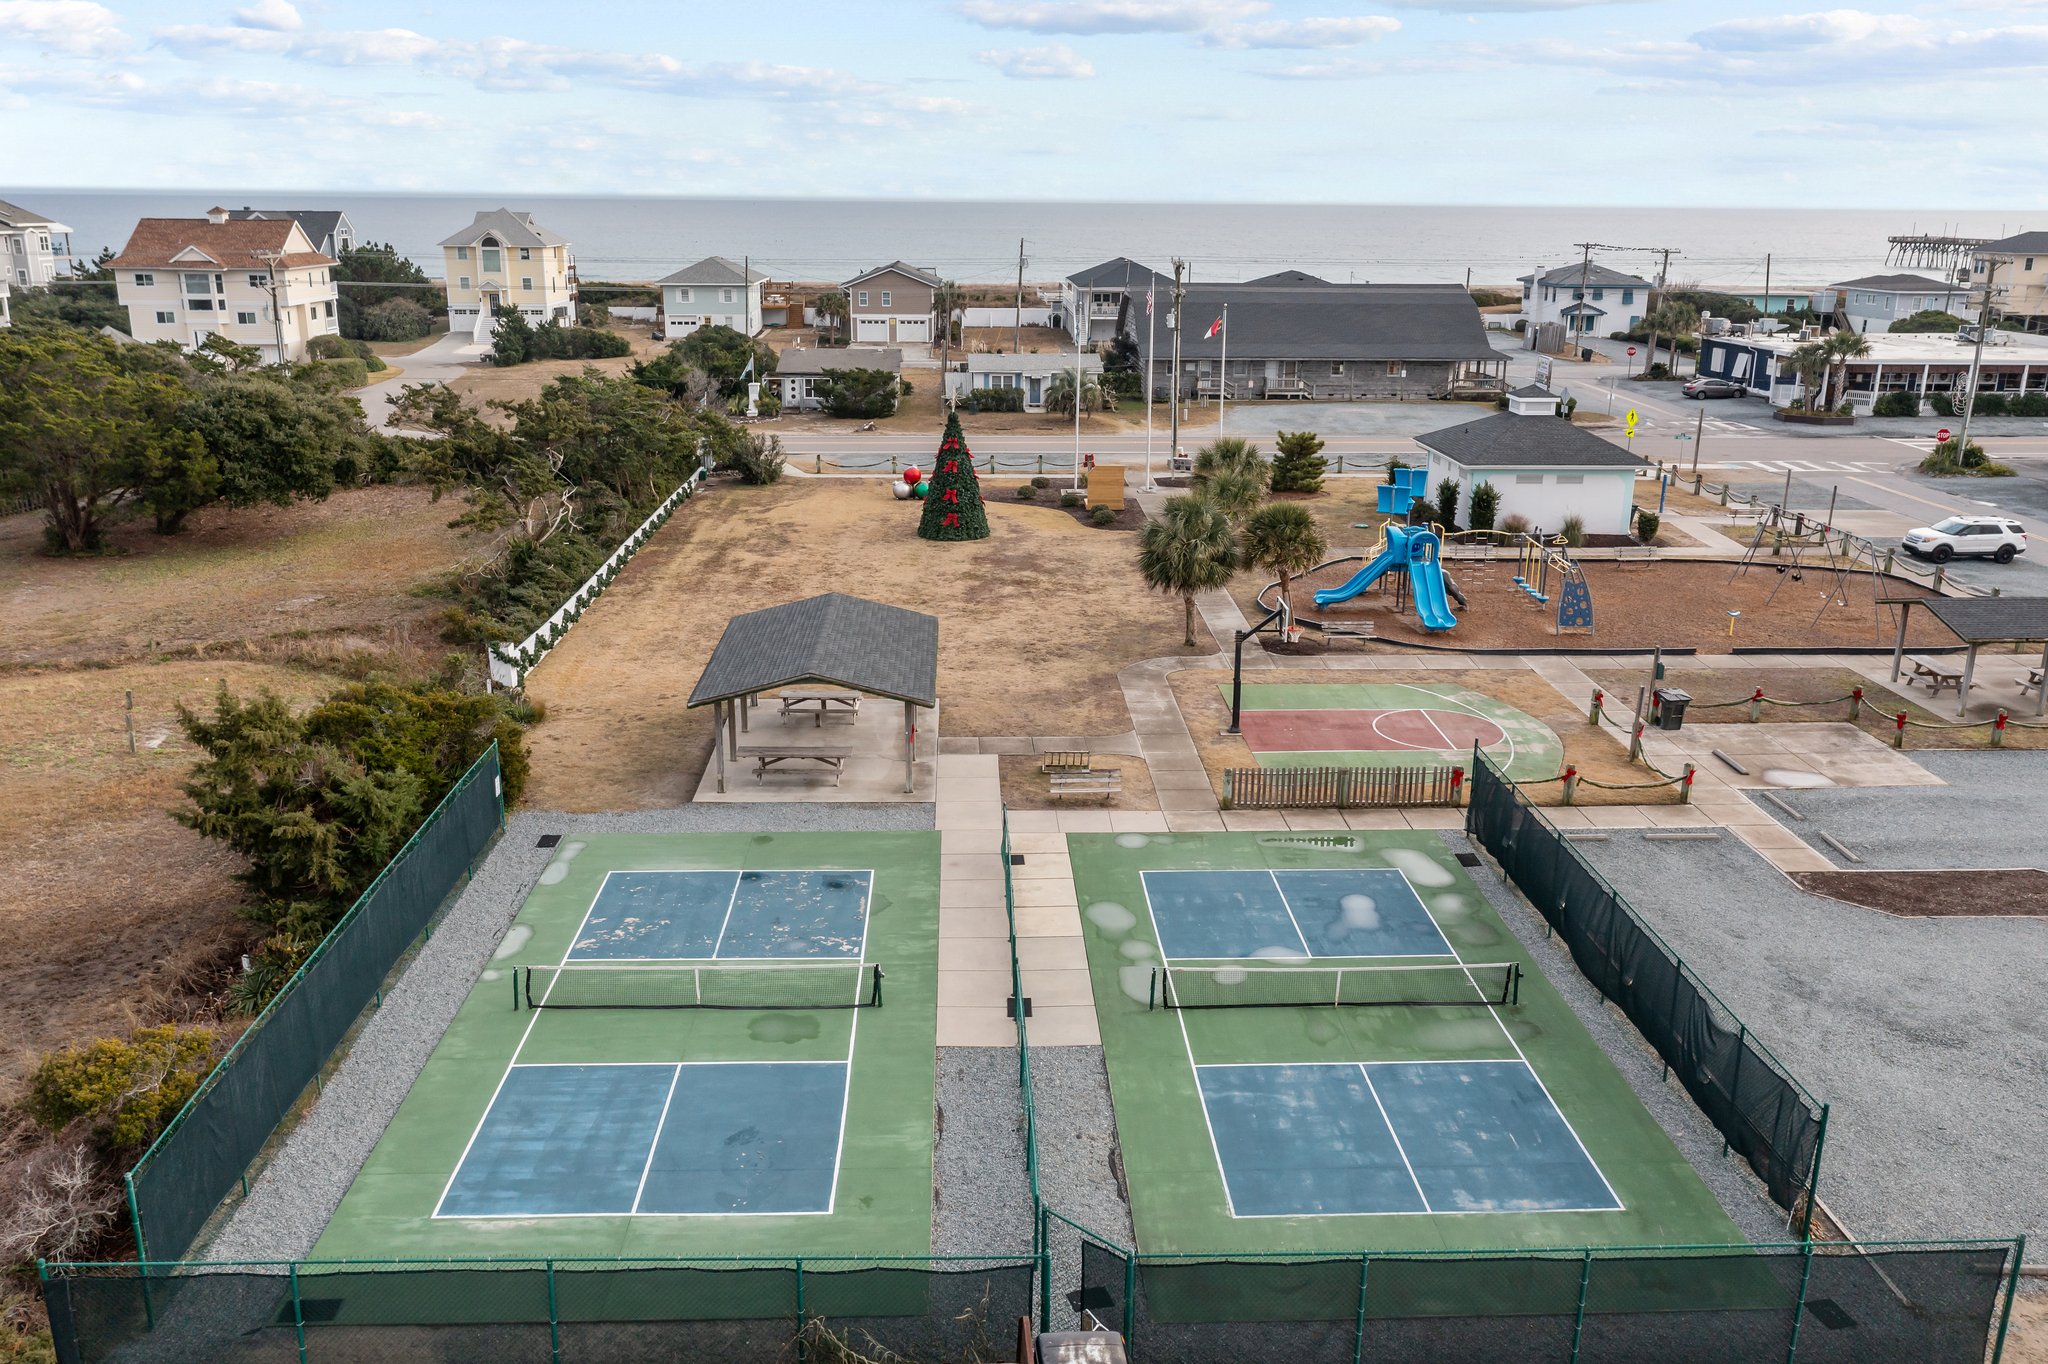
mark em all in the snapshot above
pixel 510 663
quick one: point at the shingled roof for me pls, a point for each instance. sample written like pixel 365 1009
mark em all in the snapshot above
pixel 510 226
pixel 199 244
pixel 1508 440
pixel 846 641
pixel 1332 322
pixel 713 270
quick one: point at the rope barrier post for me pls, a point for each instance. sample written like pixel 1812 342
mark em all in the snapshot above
pixel 1899 736
pixel 1593 711
pixel 1856 704
pixel 1998 729
pixel 1685 785
pixel 1571 784
pixel 1940 577
pixel 1756 707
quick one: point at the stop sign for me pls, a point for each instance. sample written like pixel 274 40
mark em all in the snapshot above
pixel 1631 350
pixel 1941 434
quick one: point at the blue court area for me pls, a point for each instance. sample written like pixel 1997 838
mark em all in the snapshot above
pixel 1346 912
pixel 725 915
pixel 1395 1137
pixel 720 1138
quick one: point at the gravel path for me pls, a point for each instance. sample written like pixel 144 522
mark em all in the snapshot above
pixel 1740 1194
pixel 297 1192
pixel 1926 1035
pixel 1080 1168
pixel 981 1197
pixel 1989 815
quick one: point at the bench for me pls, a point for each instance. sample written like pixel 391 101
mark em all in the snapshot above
pixel 2032 681
pixel 1064 762
pixel 1099 781
pixel 1936 673
pixel 1635 554
pixel 766 757
pixel 818 703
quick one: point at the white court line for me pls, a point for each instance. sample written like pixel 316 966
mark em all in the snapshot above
pixel 1399 1149
pixel 1435 927
pixel 866 873
pixel 1146 886
pixel 724 923
pixel 1274 877
pixel 1455 703
pixel 1194 1070
pixel 655 1145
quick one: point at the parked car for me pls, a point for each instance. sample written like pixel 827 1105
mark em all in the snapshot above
pixel 1704 387
pixel 1984 537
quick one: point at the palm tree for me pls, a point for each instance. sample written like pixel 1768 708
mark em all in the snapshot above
pixel 1230 472
pixel 1810 363
pixel 1059 394
pixel 1841 348
pixel 831 306
pixel 1673 320
pixel 1188 549
pixel 1282 536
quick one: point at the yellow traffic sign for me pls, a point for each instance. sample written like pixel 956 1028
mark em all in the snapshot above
pixel 1631 417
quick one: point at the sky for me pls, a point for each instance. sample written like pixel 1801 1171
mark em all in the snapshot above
pixel 1653 102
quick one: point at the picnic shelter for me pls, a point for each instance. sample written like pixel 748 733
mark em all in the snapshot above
pixel 1978 621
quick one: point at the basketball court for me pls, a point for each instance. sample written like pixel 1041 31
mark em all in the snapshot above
pixel 686 1044
pixel 1388 724
pixel 1330 1042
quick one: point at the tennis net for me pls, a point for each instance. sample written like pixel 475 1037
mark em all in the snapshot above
pixel 1250 987
pixel 714 985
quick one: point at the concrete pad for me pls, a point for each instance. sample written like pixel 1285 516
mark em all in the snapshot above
pixel 1050 843
pixel 1676 816
pixel 971 843
pixel 1137 821
pixel 1007 746
pixel 1084 822
pixel 1736 814
pixel 972 989
pixel 1194 821
pixel 1374 819
pixel 1203 800
pixel 1179 779
pixel 1056 891
pixel 1058 987
pixel 975 816
pixel 973 954
pixel 1567 817
pixel 967 894
pixel 1050 954
pixel 1034 821
pixel 955 791
pixel 974 921
pixel 1178 758
pixel 975 1027
pixel 1047 921
pixel 1044 867
pixel 1064 1026
pixel 969 765
pixel 1614 816
pixel 970 867
pixel 1434 818
pixel 1241 821
pixel 1315 819
pixel 1769 836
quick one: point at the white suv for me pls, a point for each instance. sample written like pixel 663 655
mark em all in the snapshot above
pixel 1986 537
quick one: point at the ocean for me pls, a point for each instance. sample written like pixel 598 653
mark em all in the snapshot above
pixel 976 241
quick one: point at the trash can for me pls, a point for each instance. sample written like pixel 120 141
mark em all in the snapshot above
pixel 1668 708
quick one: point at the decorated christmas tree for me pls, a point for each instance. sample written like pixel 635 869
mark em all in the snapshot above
pixel 952 502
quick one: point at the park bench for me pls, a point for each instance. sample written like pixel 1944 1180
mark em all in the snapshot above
pixel 818 702
pixel 1095 781
pixel 767 756
pixel 1064 762
pixel 1935 672
pixel 1635 554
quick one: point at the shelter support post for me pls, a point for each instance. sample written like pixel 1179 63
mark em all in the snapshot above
pixel 732 728
pixel 746 705
pixel 2041 692
pixel 718 743
pixel 1963 691
pixel 1899 646
pixel 909 748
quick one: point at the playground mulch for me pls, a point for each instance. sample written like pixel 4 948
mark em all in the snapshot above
pixel 1673 603
pixel 2007 893
pixel 1716 687
pixel 1026 788
pixel 1591 751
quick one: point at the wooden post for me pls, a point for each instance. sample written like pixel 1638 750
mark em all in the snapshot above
pixel 1963 691
pixel 1899 648
pixel 718 741
pixel 131 719
pixel 909 748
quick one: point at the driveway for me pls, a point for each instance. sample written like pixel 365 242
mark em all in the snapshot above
pixel 446 359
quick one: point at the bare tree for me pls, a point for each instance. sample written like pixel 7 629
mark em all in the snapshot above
pixel 56 1203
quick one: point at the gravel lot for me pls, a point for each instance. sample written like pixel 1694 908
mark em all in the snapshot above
pixel 1740 1194
pixel 1926 1035
pixel 981 1197
pixel 1989 815
pixel 297 1192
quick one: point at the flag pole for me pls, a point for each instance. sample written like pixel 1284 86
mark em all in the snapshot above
pixel 1223 379
pixel 1151 332
pixel 1082 325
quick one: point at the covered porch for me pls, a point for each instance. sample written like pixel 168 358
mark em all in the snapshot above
pixel 820 699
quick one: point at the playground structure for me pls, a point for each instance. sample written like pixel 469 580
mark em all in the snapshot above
pixel 1420 551
pixel 1803 545
pixel 1546 570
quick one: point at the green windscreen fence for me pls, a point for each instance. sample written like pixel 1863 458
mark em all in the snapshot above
pixel 936 1309
pixel 1764 1114
pixel 1923 1303
pixel 202 1155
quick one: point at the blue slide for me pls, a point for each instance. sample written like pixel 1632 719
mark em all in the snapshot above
pixel 1417 549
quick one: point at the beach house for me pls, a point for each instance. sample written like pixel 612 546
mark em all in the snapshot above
pixel 891 304
pixel 504 259
pixel 716 291
pixel 34 249
pixel 257 283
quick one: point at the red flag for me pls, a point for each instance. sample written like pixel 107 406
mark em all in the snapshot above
pixel 1215 328
pixel 1148 299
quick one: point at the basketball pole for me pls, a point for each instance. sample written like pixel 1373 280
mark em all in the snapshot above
pixel 1237 670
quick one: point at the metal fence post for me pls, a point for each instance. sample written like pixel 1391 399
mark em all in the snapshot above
pixel 1579 1320
pixel 1044 1270
pixel 554 1318
pixel 1130 1303
pixel 298 1313
pixel 1735 1081
pixel 1820 1141
pixel 801 1353
pixel 1799 1308
pixel 1671 1014
pixel 1358 1339
pixel 141 1250
pixel 2012 1288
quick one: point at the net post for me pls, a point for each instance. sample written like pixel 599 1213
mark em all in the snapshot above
pixel 1130 1302
pixel 298 1312
pixel 554 1317
pixel 1358 1325
pixel 1799 1308
pixel 1579 1316
pixel 1152 992
pixel 515 989
pixel 878 987
pixel 2012 1288
pixel 1820 1141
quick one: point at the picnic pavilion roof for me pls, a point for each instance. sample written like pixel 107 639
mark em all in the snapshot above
pixel 841 640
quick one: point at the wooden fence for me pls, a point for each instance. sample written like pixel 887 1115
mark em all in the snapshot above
pixel 1275 788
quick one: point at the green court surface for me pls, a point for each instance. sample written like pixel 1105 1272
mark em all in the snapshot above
pixel 656 1131
pixel 1391 724
pixel 1502 1127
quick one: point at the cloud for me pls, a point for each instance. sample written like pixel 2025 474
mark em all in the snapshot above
pixel 1109 16
pixel 271 14
pixel 1054 63
pixel 1779 32
pixel 79 27
pixel 1505 6
pixel 1306 33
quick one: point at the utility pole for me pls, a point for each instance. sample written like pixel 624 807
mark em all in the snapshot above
pixel 1173 380
pixel 1223 372
pixel 276 313
pixel 1991 264
pixel 1081 308
pixel 1579 313
pixel 747 297
pixel 1656 302
pixel 1151 358
pixel 1767 288
pixel 1017 341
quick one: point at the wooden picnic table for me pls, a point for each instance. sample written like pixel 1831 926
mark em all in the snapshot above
pixel 767 756
pixel 818 702
pixel 1935 672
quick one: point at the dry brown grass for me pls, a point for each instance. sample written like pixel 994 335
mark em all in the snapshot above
pixel 482 384
pixel 1026 788
pixel 1033 624
pixel 1597 754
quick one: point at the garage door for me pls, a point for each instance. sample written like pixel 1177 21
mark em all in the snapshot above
pixel 871 329
pixel 913 329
